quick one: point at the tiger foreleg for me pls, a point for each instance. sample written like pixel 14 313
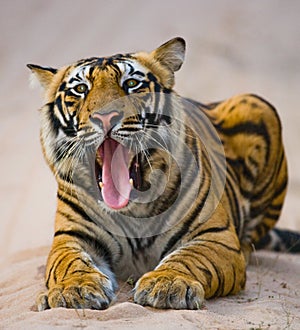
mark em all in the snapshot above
pixel 74 280
pixel 210 265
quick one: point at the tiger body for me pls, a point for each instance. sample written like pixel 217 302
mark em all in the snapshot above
pixel 151 186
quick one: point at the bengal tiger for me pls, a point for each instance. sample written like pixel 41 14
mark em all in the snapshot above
pixel 167 191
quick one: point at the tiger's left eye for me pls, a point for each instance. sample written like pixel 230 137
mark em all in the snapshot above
pixel 81 88
pixel 131 83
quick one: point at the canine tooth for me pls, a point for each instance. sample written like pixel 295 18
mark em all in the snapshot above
pixel 131 181
pixel 101 184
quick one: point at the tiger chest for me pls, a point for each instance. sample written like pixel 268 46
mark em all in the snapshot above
pixel 139 256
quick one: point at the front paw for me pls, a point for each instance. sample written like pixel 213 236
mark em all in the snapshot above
pixel 93 291
pixel 168 289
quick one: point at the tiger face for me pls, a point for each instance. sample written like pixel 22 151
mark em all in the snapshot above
pixel 114 108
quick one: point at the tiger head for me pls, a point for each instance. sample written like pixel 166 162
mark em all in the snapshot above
pixel 112 105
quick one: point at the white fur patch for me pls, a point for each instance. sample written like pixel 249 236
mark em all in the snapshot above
pixel 34 81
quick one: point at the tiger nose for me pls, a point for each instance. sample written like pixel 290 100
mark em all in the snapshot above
pixel 107 120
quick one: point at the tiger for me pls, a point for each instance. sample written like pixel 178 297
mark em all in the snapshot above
pixel 170 192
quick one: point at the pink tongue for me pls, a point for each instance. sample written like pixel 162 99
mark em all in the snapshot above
pixel 115 174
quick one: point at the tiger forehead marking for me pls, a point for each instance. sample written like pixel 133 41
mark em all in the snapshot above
pixel 117 71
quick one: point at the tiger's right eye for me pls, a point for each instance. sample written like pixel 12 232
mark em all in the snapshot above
pixel 81 88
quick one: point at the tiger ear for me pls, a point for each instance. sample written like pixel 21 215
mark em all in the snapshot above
pixel 171 54
pixel 43 74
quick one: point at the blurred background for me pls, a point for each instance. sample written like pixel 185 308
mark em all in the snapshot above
pixel 233 47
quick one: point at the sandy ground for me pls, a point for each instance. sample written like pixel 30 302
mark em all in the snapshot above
pixel 232 47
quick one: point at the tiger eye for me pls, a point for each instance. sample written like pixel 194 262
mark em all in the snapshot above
pixel 81 88
pixel 131 83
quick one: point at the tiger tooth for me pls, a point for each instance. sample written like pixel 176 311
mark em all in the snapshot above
pixel 131 182
pixel 101 184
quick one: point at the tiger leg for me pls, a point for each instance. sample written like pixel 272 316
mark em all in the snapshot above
pixel 263 177
pixel 211 264
pixel 75 277
pixel 260 224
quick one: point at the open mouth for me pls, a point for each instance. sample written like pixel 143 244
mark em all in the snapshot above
pixel 117 175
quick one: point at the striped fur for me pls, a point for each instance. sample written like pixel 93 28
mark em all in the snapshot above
pixel 181 240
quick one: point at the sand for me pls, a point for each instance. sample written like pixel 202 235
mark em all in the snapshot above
pixel 270 301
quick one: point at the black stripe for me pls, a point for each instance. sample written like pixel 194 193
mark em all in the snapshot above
pixel 185 228
pixel 140 73
pixel 34 66
pixel 219 243
pixel 211 230
pixel 79 271
pixel 234 205
pixel 131 70
pixel 78 76
pixel 69 104
pixel 261 194
pixel 66 215
pixel 253 161
pixel 87 61
pixel 54 267
pixel 69 130
pixel 128 129
pixel 91 70
pixel 178 271
pixel 62 87
pixel 280 189
pixel 246 172
pixel 255 211
pixel 211 262
pixel 133 250
pixel 268 104
pixel 251 128
pixel 100 247
pixel 237 165
pixel 233 280
pixel 58 103
pixel 272 216
pixel 84 216
pixel 77 79
pixel 273 207
pixel 133 122
pixel 221 278
pixel 207 273
pixel 151 77
pixel 193 256
pixel 71 263
pixel 262 229
pixel 246 194
pixel 247 127
pixel 76 208
pixel 117 70
pixel 184 263
pixel 56 124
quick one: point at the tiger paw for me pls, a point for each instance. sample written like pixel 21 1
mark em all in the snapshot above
pixel 168 289
pixel 92 291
